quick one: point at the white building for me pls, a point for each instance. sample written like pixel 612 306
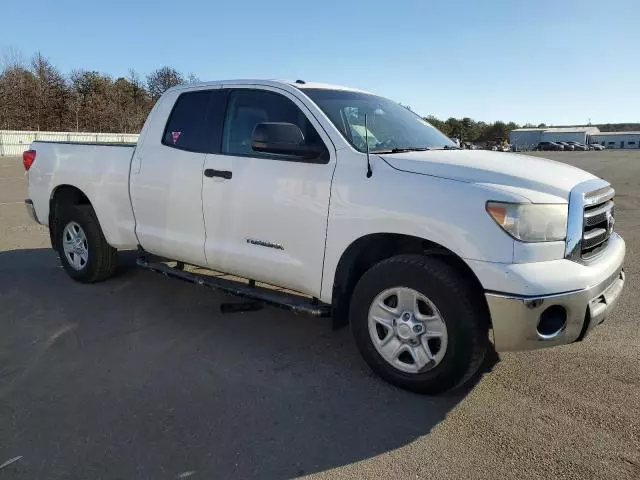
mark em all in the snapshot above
pixel 527 137
pixel 530 137
pixel 569 134
pixel 617 139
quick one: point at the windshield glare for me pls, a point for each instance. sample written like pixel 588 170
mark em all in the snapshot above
pixel 390 126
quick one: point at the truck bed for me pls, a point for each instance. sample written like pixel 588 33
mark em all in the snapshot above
pixel 99 170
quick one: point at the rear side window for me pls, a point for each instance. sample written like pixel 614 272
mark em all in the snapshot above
pixel 195 122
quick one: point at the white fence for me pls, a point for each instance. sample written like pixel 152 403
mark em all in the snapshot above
pixel 14 142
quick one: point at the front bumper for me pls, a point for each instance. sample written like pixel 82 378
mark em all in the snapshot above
pixel 516 319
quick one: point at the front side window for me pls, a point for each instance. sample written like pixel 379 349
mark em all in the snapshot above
pixel 389 125
pixel 247 108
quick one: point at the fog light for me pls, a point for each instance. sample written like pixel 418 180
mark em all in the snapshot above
pixel 552 322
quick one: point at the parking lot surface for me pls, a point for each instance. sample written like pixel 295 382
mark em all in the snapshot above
pixel 141 377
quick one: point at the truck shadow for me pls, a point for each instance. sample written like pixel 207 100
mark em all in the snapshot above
pixel 141 376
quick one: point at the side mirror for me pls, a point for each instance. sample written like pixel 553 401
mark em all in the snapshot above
pixel 282 139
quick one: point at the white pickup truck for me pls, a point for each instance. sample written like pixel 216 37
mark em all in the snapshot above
pixel 356 205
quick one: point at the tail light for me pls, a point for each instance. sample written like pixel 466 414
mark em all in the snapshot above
pixel 28 157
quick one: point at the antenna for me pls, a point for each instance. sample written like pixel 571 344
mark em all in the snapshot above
pixel 366 141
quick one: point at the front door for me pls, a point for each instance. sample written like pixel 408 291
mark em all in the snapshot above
pixel 265 214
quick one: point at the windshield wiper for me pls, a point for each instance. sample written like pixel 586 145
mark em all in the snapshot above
pixel 449 147
pixel 402 150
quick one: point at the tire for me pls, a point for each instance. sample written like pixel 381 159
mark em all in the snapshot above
pixel 458 305
pixel 101 260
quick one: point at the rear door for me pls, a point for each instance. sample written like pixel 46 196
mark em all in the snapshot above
pixel 166 189
pixel 265 214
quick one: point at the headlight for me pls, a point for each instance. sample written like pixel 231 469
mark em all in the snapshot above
pixel 530 222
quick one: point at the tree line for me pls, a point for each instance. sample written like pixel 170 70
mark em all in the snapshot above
pixel 468 130
pixel 35 95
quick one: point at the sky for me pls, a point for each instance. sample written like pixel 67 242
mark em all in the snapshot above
pixel 558 62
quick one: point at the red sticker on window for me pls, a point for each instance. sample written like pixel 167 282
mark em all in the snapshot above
pixel 175 136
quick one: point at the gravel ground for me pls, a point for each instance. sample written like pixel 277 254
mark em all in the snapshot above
pixel 141 377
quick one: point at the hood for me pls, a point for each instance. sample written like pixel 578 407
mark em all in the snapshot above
pixel 522 174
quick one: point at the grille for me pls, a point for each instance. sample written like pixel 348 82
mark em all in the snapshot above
pixel 598 221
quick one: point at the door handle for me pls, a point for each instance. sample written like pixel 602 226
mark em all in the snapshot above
pixel 210 172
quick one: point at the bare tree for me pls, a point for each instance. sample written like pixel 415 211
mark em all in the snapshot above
pixel 36 96
pixel 12 58
pixel 17 98
pixel 159 81
pixel 141 100
pixel 138 92
pixel 52 94
pixel 192 78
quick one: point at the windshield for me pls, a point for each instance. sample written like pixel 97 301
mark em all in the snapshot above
pixel 390 126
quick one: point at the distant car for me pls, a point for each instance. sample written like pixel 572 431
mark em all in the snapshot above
pixel 596 146
pixel 579 146
pixel 567 146
pixel 550 146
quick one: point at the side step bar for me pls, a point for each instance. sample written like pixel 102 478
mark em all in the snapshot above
pixel 295 303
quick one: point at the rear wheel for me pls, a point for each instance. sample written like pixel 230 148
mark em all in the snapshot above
pixel 418 323
pixel 75 245
pixel 84 252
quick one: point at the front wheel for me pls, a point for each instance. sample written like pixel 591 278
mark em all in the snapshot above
pixel 84 252
pixel 418 324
